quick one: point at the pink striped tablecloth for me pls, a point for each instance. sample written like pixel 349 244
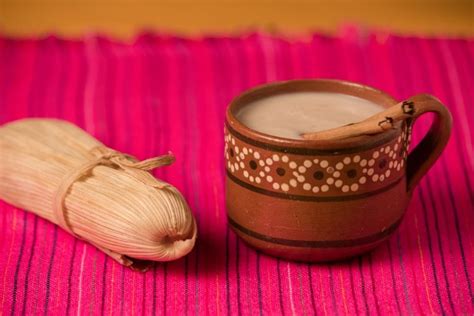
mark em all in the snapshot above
pixel 163 93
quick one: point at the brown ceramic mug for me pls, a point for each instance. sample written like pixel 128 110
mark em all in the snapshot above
pixel 326 199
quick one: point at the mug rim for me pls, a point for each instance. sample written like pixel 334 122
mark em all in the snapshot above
pixel 303 146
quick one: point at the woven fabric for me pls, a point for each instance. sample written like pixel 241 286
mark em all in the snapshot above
pixel 163 93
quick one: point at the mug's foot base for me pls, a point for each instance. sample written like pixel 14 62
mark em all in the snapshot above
pixel 308 254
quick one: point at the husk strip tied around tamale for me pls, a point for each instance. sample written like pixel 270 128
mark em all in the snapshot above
pixel 59 172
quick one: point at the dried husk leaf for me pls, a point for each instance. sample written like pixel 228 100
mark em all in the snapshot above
pixel 117 205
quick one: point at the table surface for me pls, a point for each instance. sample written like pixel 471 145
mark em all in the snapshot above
pixel 124 18
pixel 165 93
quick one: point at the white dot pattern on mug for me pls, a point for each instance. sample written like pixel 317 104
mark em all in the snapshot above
pixel 289 173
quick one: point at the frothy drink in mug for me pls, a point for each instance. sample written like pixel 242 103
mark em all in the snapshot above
pixel 291 114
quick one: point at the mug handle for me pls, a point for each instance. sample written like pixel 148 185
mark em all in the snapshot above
pixel 430 147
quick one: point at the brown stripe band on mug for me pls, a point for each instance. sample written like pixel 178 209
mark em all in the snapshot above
pixel 344 243
pixel 306 151
pixel 310 198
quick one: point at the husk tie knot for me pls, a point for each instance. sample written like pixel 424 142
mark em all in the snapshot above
pixel 102 155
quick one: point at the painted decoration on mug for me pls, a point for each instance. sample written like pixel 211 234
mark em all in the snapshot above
pixel 297 174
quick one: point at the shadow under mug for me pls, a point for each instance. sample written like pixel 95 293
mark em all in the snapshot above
pixel 327 199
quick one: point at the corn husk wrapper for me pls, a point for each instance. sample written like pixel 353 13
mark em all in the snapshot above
pixel 59 172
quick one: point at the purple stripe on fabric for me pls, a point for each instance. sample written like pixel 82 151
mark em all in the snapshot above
pixel 280 294
pixel 18 263
pixel 438 235
pixel 28 268
pixel 69 278
pixel 459 237
pixel 259 289
pixel 122 292
pixel 227 267
pixel 311 290
pixel 363 286
pixel 92 304
pixel 237 260
pixel 165 289
pixel 104 280
pixel 394 285
pixel 144 289
pixel 430 247
pixel 50 267
pixel 372 280
pixel 331 289
pixel 300 283
pixel 249 305
pixel 356 304
pixel 404 277
pixel 153 306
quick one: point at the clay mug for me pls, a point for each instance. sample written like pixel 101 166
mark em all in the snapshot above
pixel 337 193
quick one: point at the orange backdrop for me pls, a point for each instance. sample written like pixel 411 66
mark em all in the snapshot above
pixel 124 18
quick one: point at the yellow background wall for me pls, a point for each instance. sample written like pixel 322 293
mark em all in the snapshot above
pixel 123 18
